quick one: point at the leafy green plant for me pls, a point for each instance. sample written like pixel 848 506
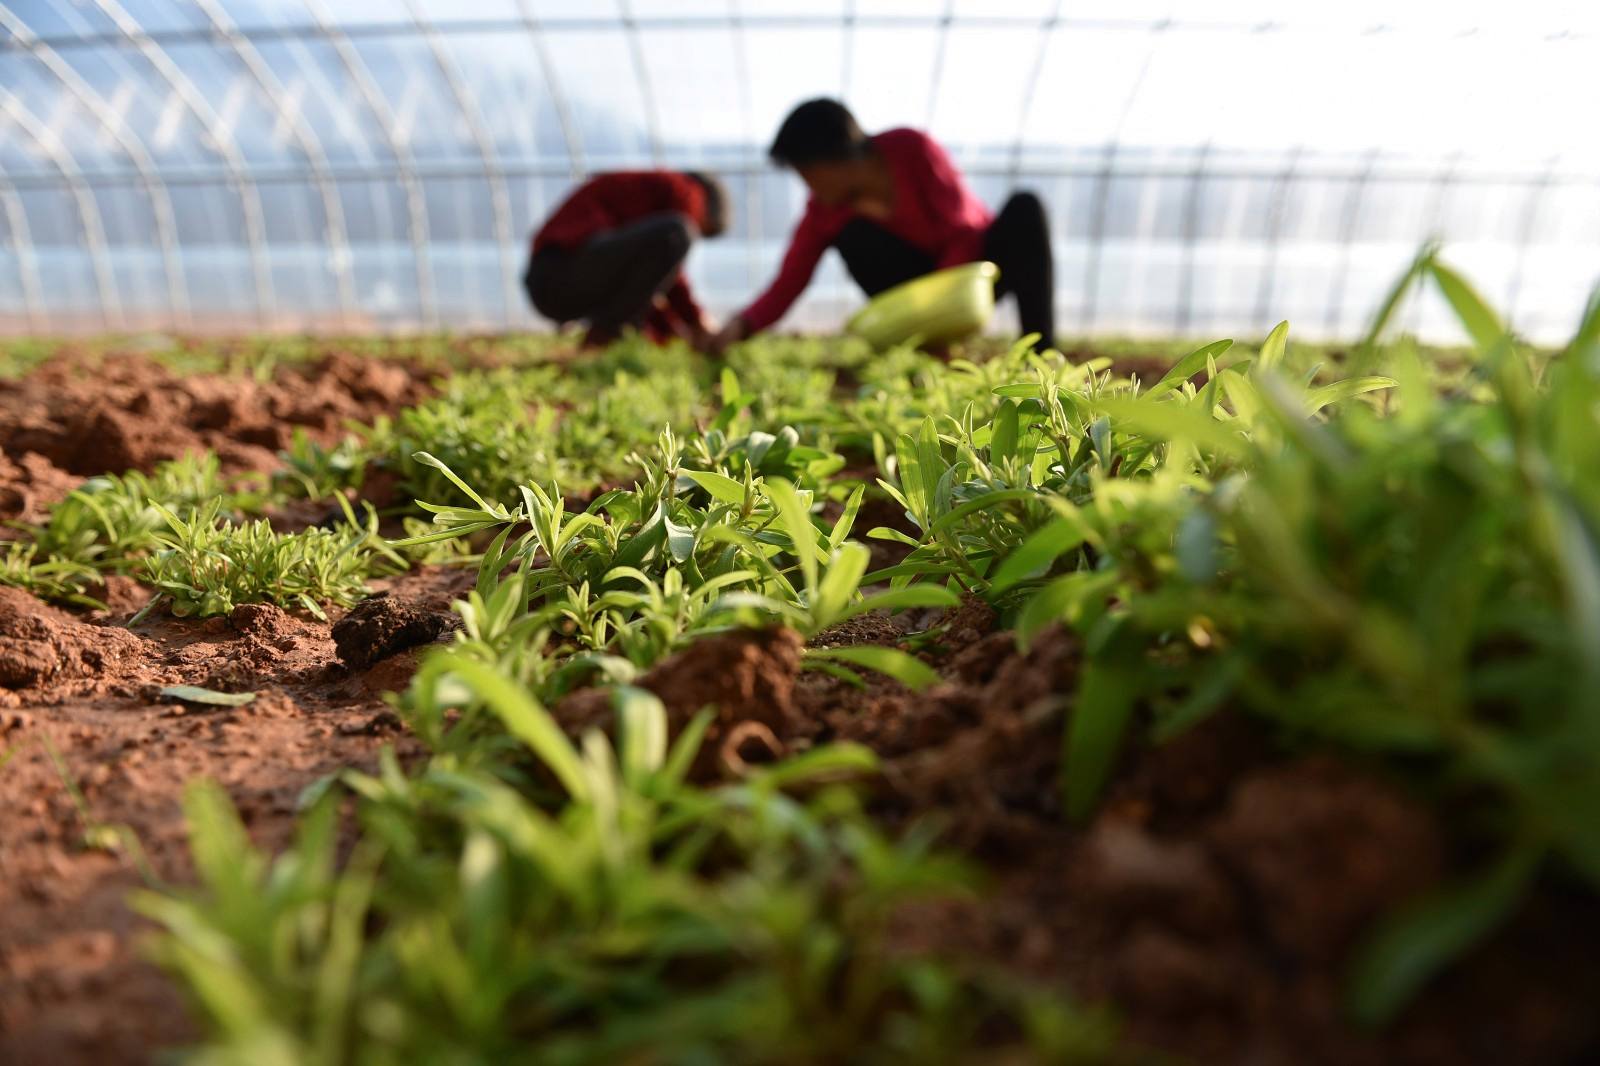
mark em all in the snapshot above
pixel 208 566
pixel 608 910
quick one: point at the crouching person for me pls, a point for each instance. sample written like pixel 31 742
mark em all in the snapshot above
pixel 611 255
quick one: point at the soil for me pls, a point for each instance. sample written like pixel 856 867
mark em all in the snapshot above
pixel 68 419
pixel 73 987
pixel 385 625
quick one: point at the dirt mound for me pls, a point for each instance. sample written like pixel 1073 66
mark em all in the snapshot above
pixel 30 485
pixel 748 676
pixel 41 646
pixel 383 625
pixel 129 412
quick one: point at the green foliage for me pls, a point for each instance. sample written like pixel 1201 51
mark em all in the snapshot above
pixel 207 565
pixel 112 522
pixel 614 912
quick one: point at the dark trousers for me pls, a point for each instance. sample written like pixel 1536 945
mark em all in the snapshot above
pixel 611 280
pixel 1017 241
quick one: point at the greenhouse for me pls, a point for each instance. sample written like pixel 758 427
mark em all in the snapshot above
pixel 377 164
pixel 747 531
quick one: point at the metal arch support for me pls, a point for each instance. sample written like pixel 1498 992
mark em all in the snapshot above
pixel 493 173
pixel 1347 234
pixel 1277 218
pixel 155 189
pixel 1444 180
pixel 847 47
pixel 222 140
pixel 947 17
pixel 1191 229
pixel 416 207
pixel 27 257
pixel 310 146
pixel 1047 28
pixel 1530 221
pixel 558 99
pixel 1102 192
pixel 94 232
pixel 652 120
pixel 754 202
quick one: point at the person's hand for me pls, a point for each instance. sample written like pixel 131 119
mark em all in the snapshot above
pixel 700 336
pixel 732 332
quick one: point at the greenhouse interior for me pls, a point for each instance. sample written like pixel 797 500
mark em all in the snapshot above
pixel 740 531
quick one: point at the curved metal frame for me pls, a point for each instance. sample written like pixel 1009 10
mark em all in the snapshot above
pixel 1102 192
pixel 1277 217
pixel 416 207
pixel 27 257
pixel 159 183
pixel 755 203
pixel 652 121
pixel 947 17
pixel 155 189
pixel 310 145
pixel 558 99
pixel 222 141
pixel 1347 234
pixel 1047 30
pixel 1190 237
pixel 1530 221
pixel 94 230
pixel 472 115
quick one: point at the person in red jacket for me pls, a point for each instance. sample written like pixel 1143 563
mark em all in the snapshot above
pixel 895 207
pixel 612 255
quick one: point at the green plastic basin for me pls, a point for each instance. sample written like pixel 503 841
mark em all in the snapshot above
pixel 944 306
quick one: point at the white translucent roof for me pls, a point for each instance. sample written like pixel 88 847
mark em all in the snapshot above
pixel 1211 166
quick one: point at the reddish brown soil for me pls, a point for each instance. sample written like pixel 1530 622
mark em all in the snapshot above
pixel 1215 900
pixel 67 419
pixel 73 988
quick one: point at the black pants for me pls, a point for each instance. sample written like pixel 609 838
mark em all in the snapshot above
pixel 611 280
pixel 1017 241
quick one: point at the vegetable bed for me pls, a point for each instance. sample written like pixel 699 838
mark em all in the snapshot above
pixel 465 700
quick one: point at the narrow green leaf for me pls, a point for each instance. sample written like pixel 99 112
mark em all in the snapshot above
pixel 828 761
pixel 1274 347
pixel 1411 947
pixel 1100 719
pixel 527 720
pixel 911 672
pixel 1003 437
pixel 1321 397
pixel 720 486
pixel 428 460
pixel 1037 552
pixel 930 465
pixel 1475 315
pixel 797 523
pixel 1188 366
pixel 900 599
pixel 841 582
pixel 847 518
pixel 983 503
pixel 641 731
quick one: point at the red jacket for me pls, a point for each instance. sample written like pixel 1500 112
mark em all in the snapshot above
pixel 933 210
pixel 607 201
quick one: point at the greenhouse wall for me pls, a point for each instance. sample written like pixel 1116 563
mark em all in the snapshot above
pixel 242 165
